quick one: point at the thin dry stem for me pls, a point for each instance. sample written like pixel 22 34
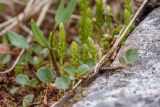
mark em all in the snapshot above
pixel 121 36
pixel 105 57
pixel 39 22
pixel 31 8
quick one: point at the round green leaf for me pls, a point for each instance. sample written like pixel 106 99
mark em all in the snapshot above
pixel 27 99
pixel 14 90
pixel 17 40
pixel 45 75
pixel 132 55
pixel 69 69
pixel 62 82
pixel 82 70
pixel 123 60
pixel 5 58
pixel 22 79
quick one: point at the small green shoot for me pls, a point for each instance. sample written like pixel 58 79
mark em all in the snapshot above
pixel 27 99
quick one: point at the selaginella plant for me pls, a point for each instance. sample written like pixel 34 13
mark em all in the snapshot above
pixel 99 16
pixel 85 22
pixel 61 44
pixel 75 54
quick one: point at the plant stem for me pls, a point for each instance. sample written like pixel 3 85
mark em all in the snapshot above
pixel 54 62
pixel 52 54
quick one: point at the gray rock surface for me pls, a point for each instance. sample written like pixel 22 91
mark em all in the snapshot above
pixel 139 85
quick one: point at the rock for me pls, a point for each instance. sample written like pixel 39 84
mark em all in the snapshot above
pixel 139 85
pixel 151 4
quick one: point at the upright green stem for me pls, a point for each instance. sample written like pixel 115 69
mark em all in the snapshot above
pixel 54 62
pixel 52 54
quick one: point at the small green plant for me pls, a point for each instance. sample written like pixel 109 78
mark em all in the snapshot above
pixel 4 59
pixel 75 54
pixel 61 44
pixel 25 83
pixel 127 13
pixel 130 57
pixel 49 58
pixel 85 23
pixel 99 15
pixel 27 99
pixel 17 40
pixel 45 75
pixel 66 71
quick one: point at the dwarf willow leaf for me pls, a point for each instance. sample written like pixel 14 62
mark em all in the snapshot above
pixel 17 40
pixel 5 58
pixel 62 14
pixel 27 99
pixel 69 69
pixel 132 55
pixel 123 60
pixel 14 90
pixel 45 75
pixel 38 34
pixel 62 82
pixel 82 70
pixel 22 79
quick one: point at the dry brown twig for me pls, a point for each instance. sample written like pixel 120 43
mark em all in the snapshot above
pixel 39 22
pixel 32 7
pixel 106 56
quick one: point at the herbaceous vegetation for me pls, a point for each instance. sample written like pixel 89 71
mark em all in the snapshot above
pixel 60 64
